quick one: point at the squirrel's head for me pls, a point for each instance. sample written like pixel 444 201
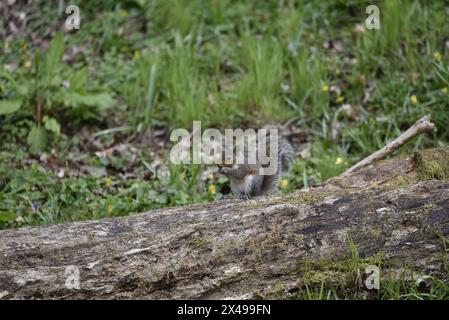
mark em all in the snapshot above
pixel 237 171
pixel 225 168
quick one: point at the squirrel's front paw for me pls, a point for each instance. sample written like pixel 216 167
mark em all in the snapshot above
pixel 245 196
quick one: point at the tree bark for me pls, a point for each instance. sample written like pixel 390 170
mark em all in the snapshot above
pixel 235 248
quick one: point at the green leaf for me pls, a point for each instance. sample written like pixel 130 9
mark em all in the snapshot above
pixel 9 106
pixel 163 198
pixel 78 80
pixel 100 100
pixel 55 52
pixel 51 124
pixel 6 216
pixel 37 139
pixel 150 93
pixel 52 61
pixel 38 60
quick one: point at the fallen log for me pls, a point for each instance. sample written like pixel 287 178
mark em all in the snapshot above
pixel 259 248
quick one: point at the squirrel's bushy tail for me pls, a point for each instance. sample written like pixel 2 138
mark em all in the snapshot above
pixel 286 155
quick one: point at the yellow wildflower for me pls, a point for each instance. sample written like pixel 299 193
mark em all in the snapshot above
pixel 212 189
pixel 136 54
pixel 444 90
pixel 337 71
pixel 338 161
pixel 124 13
pixel 108 182
pixel 110 208
pixel 325 88
pixel 361 79
pixel 340 99
pixel 28 63
pixel 414 100
pixel 437 56
pixel 284 183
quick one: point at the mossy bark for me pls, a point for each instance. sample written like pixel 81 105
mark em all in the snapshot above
pixel 432 164
pixel 236 248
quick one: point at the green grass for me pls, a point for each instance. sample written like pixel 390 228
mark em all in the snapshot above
pixel 405 285
pixel 163 64
pixel 146 64
pixel 345 279
pixel 36 195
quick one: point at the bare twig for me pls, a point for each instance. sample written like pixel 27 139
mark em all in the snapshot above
pixel 420 126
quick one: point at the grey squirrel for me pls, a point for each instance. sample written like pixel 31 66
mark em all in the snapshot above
pixel 246 180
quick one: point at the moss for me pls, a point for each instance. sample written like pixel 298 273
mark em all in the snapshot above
pixel 272 241
pixel 202 241
pixel 311 197
pixel 278 290
pixel 399 181
pixel 305 198
pixel 428 208
pixel 432 164
pixel 342 273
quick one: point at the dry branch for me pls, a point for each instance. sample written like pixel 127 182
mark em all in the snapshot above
pixel 420 126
